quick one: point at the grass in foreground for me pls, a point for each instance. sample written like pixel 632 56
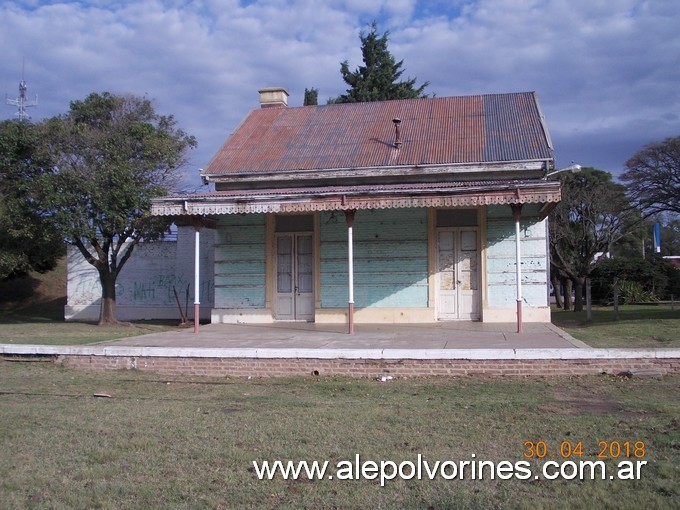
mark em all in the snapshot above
pixel 32 312
pixel 190 442
pixel 638 326
pixel 27 328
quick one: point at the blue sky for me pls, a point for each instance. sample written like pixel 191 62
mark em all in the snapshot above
pixel 607 73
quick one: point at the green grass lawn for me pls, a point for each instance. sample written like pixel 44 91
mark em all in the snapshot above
pixel 27 327
pixel 638 326
pixel 32 312
pixel 190 442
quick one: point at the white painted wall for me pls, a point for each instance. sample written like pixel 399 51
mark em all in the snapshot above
pixel 144 289
pixel 501 300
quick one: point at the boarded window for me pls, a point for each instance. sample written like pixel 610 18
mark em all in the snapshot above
pixel 295 223
pixel 457 217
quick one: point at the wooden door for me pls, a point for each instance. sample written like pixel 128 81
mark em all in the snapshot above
pixel 294 277
pixel 457 274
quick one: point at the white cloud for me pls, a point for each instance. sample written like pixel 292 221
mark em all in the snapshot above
pixel 598 67
pixel 606 72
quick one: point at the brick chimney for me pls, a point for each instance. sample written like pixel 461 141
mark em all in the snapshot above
pixel 273 97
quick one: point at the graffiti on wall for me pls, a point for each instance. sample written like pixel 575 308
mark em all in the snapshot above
pixel 147 280
pixel 161 290
pixel 157 290
pixel 85 290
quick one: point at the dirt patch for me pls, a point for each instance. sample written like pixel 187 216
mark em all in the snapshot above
pixel 42 294
pixel 581 403
pixel 570 323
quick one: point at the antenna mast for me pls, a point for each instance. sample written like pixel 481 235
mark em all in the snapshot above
pixel 21 102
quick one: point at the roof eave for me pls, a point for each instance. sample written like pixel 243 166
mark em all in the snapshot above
pixel 237 180
pixel 540 192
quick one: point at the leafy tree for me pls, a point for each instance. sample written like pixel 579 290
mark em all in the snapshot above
pixel 377 79
pixel 311 97
pixel 26 240
pixel 653 177
pixel 640 241
pixel 652 274
pixel 670 238
pixel 112 155
pixel 593 215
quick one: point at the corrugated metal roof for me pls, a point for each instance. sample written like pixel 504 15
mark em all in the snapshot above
pixel 434 131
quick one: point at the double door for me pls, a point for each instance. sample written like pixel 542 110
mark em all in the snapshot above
pixel 294 277
pixel 457 274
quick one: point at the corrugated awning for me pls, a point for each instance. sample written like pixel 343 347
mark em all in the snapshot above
pixel 334 198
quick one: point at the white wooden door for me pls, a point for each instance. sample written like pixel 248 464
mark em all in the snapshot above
pixel 457 274
pixel 294 277
pixel 468 275
pixel 447 281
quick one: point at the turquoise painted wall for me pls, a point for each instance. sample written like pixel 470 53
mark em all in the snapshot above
pixel 500 252
pixel 390 259
pixel 240 262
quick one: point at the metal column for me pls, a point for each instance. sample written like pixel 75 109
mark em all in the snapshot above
pixel 517 214
pixel 197 273
pixel 349 216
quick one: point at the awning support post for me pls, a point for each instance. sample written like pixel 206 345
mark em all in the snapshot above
pixel 517 214
pixel 349 216
pixel 197 223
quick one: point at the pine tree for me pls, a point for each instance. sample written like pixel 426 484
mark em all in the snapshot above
pixel 311 97
pixel 377 79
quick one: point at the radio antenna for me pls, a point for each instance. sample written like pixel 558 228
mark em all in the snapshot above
pixel 22 102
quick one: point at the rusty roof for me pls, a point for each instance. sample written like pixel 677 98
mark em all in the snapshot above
pixel 434 131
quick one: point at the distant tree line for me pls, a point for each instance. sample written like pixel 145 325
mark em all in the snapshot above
pixel 599 218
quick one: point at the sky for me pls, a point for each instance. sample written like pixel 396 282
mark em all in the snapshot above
pixel 606 72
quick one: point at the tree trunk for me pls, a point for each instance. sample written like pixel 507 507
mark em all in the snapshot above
pixel 557 289
pixel 589 302
pixel 107 310
pixel 578 294
pixel 566 285
pixel 616 298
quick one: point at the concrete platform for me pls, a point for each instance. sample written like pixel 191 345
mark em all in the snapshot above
pixel 302 335
pixel 406 350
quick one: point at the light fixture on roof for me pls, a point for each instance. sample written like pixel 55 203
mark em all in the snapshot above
pixel 573 168
pixel 204 178
pixel 397 140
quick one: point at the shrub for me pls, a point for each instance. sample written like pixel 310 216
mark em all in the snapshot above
pixel 653 276
pixel 634 292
